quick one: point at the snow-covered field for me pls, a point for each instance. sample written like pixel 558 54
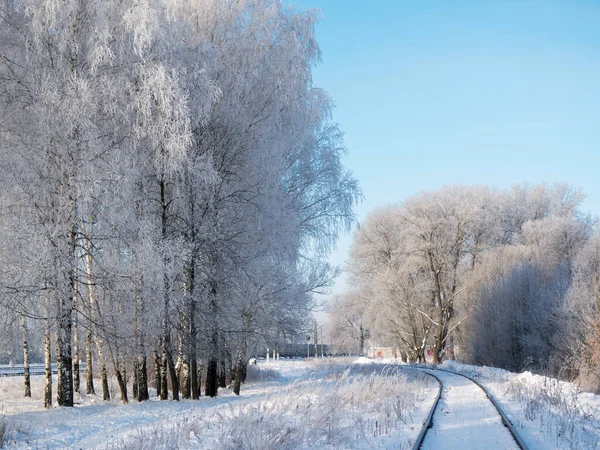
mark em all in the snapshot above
pixel 323 403
pixel 285 404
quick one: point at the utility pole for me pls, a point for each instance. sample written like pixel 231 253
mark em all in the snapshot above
pixel 322 346
pixel 316 334
pixel 307 346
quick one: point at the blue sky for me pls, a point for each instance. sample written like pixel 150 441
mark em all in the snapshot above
pixel 469 92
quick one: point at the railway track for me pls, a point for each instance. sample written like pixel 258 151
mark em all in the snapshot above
pixel 459 416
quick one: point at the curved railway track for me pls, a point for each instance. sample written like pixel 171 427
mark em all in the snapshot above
pixel 436 410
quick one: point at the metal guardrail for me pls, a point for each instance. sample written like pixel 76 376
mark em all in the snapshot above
pixel 18 370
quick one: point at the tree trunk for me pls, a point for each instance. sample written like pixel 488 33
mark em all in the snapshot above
pixel 134 385
pixel 123 367
pixel 191 282
pixel 200 372
pixel 94 310
pixel 164 390
pixel 212 366
pixel 185 378
pixel 211 378
pixel 244 368
pixel 103 371
pixel 157 373
pixel 194 384
pixel 167 369
pixel 362 341
pixel 66 278
pixel 182 367
pixel 47 355
pixel 142 377
pixel 173 377
pixel 101 355
pixel 239 369
pixel 121 378
pixel 88 305
pixel 122 386
pixel 195 391
pixel 75 343
pixel 64 355
pixel 89 373
pixel 141 373
pixel 167 360
pixel 26 377
pixel 222 373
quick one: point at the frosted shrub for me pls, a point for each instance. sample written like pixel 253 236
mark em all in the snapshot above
pixel 260 427
pixel 12 431
pixel 341 407
pixel 257 373
pixel 345 405
pixel 558 412
pixel 174 434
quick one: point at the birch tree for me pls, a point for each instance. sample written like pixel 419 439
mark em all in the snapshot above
pixel 165 156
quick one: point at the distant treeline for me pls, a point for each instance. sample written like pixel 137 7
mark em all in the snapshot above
pixel 507 278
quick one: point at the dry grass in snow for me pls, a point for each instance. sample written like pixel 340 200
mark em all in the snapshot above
pixel 284 404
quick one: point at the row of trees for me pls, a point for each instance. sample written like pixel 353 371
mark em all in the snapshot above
pixel 508 278
pixel 173 186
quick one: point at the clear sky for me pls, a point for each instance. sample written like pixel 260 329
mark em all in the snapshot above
pixel 431 93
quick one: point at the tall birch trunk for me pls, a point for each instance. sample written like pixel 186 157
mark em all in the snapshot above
pixel 241 363
pixel 199 374
pixel 195 389
pixel 141 375
pixel 103 371
pixel 47 354
pixel 167 360
pixel 89 373
pixel 191 291
pixel 140 372
pixel 183 366
pixel 135 383
pixel 89 338
pixel 93 309
pixel 75 342
pixel 164 389
pixel 183 370
pixel 26 377
pixel 157 373
pixel 64 355
pixel 120 374
pixel 212 380
pixel 239 368
pixel 193 369
pixel 65 288
pixel 142 379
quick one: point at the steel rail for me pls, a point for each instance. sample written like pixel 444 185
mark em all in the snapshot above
pixel 505 420
pixel 429 420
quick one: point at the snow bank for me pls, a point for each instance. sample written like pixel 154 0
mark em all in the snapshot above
pixel 363 360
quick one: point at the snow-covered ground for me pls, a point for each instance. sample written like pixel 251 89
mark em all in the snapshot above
pixel 324 403
pixel 549 414
pixel 466 419
pixel 285 404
